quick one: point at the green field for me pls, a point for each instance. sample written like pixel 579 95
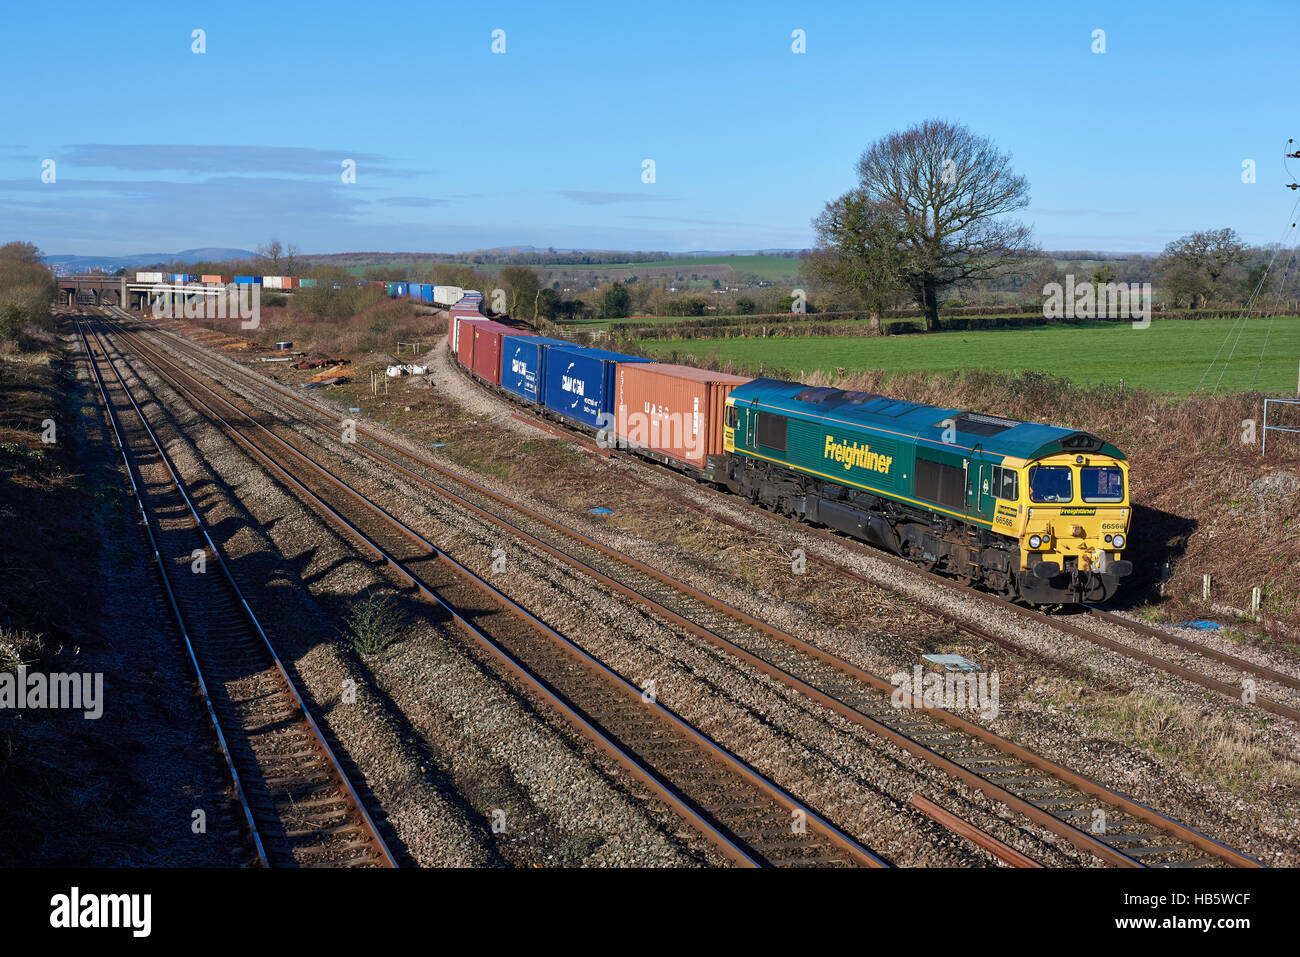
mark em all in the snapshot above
pixel 1171 356
pixel 774 268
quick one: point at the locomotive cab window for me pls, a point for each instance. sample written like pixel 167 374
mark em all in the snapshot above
pixel 770 430
pixel 1006 484
pixel 1101 483
pixel 731 416
pixel 1051 483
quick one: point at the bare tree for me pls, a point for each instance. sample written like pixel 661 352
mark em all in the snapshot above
pixel 930 205
pixel 290 259
pixel 523 284
pixel 271 252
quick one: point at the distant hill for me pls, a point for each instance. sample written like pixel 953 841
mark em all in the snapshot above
pixel 67 263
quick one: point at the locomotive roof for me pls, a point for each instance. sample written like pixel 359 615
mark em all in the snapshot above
pixel 920 422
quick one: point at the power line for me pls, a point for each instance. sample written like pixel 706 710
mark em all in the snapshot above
pixel 1268 332
pixel 1246 316
pixel 1241 319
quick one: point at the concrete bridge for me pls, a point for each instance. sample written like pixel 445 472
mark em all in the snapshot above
pixel 121 291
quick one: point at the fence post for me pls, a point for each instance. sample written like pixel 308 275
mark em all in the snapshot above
pixel 1205 588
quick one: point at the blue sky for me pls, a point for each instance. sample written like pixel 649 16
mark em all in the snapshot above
pixel 157 148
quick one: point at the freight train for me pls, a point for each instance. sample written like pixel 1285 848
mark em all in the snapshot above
pixel 1032 512
pixel 429 293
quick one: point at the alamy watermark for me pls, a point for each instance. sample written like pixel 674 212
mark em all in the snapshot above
pixel 36 691
pixel 652 427
pixel 242 301
pixel 1088 300
pixel 77 909
pixel 952 690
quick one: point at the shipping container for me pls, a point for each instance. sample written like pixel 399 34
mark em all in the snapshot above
pixel 578 383
pixel 486 359
pixel 447 295
pixel 248 280
pixel 677 412
pixel 272 282
pixel 390 288
pixel 288 282
pixel 523 359
pixel 465 340
pixel 307 283
pixel 148 277
pixel 427 293
pixel 453 326
pixel 214 278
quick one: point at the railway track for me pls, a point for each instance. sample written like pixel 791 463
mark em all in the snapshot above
pixel 748 818
pixel 1276 697
pixel 1114 828
pixel 300 806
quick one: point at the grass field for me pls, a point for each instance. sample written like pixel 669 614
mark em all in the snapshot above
pixel 775 268
pixel 1171 356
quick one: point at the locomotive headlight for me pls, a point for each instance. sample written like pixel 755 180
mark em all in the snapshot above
pixel 1035 541
pixel 1119 541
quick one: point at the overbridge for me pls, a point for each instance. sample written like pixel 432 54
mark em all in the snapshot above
pixel 121 291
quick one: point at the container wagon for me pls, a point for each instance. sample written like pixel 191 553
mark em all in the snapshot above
pixel 485 361
pixel 465 340
pixel 578 384
pixel 447 295
pixel 674 414
pixel 523 359
pixel 454 327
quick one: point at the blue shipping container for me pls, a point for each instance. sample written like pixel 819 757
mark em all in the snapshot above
pixel 523 359
pixel 579 382
pixel 413 290
pixel 248 280
pixel 399 289
pixel 426 293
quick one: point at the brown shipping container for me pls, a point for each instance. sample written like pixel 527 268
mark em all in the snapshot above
pixel 290 282
pixel 465 341
pixel 487 349
pixel 453 325
pixel 214 278
pixel 675 410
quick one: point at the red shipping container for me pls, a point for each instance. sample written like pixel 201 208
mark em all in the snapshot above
pixel 677 411
pixel 465 340
pixel 453 329
pixel 289 282
pixel 453 325
pixel 486 358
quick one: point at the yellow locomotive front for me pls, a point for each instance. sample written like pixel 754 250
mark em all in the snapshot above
pixel 1072 520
